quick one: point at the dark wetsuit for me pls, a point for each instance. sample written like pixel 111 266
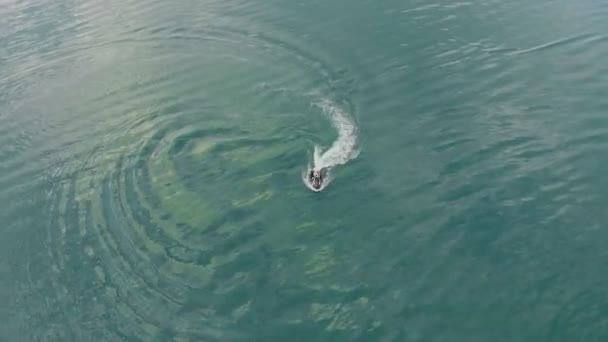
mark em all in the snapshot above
pixel 315 181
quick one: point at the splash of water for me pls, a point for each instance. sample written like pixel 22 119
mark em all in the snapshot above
pixel 343 149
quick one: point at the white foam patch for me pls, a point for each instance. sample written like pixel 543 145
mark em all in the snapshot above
pixel 343 149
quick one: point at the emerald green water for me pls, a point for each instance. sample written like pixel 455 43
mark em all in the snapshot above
pixel 151 161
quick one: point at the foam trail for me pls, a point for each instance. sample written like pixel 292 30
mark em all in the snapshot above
pixel 343 148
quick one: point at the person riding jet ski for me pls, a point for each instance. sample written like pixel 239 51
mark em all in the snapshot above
pixel 315 178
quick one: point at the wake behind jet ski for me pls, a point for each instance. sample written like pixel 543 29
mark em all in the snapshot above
pixel 315 178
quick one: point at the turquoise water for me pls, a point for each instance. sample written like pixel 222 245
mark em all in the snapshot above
pixel 152 154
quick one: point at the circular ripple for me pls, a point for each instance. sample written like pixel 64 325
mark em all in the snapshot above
pixel 168 229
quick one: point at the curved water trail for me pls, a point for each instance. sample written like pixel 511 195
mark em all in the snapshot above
pixel 342 150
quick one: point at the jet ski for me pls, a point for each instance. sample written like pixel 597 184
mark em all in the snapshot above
pixel 315 178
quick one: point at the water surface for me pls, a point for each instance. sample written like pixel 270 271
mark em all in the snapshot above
pixel 151 156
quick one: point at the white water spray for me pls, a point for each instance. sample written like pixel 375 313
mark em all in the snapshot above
pixel 343 148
